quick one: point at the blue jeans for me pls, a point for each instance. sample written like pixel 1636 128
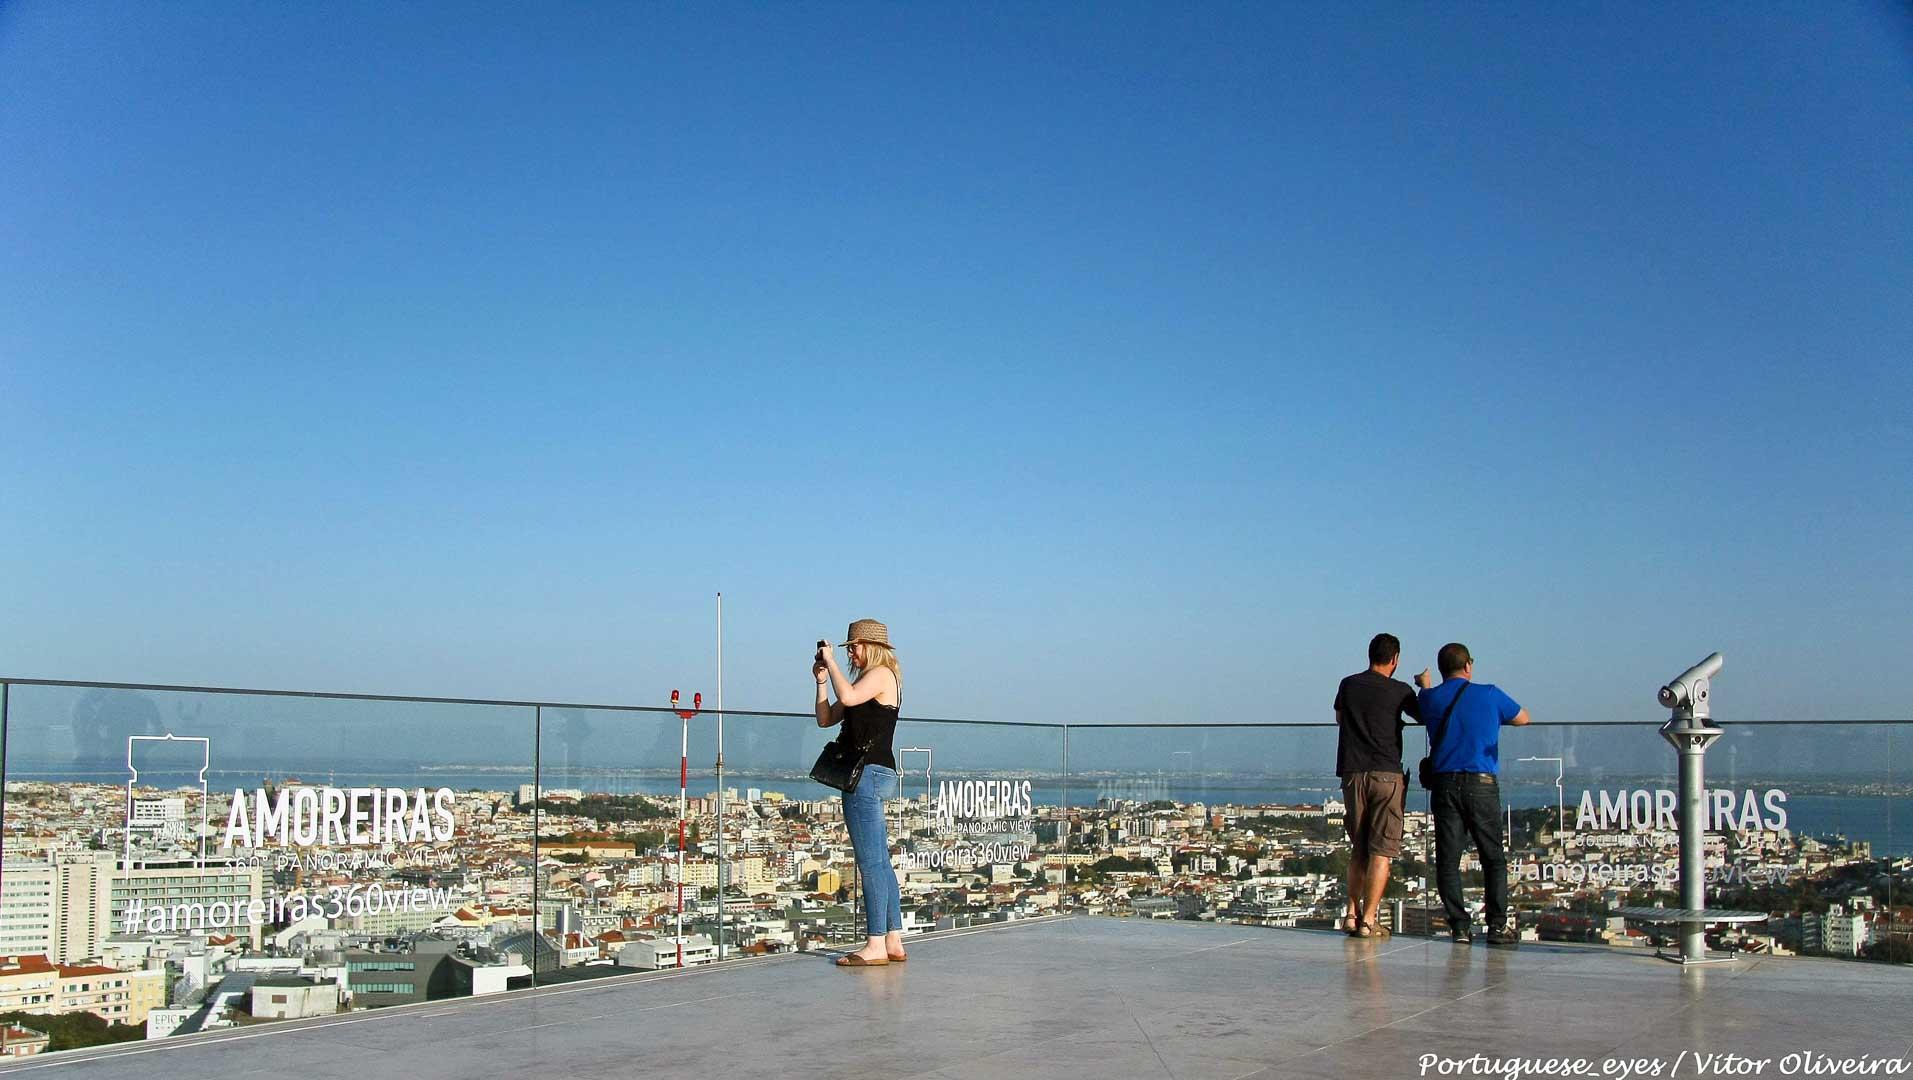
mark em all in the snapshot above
pixel 863 816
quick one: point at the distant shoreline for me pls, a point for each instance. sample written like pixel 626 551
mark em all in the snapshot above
pixel 1816 807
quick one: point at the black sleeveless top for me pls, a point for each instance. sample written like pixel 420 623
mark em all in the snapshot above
pixel 873 725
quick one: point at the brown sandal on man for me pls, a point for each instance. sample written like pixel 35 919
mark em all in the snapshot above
pixel 853 960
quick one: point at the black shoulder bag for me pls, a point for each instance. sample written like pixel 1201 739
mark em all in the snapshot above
pixel 840 766
pixel 1426 769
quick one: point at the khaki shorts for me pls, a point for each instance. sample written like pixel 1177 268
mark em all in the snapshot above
pixel 1374 815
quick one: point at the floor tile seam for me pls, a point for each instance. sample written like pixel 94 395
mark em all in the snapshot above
pixel 1677 1014
pixel 1379 1027
pixel 506 1032
pixel 1164 1013
pixel 1177 1009
pixel 1369 1031
pixel 1151 1043
pixel 970 1061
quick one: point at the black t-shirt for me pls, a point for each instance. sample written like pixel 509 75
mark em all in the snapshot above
pixel 1368 709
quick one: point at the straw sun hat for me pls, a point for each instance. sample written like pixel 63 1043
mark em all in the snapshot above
pixel 868 630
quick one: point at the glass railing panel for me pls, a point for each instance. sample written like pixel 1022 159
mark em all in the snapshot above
pixel 1244 823
pixel 1898 931
pixel 1563 875
pixel 608 813
pixel 789 880
pixel 1803 826
pixel 224 858
pixel 1231 822
pixel 1799 816
pixel 983 829
pixel 974 822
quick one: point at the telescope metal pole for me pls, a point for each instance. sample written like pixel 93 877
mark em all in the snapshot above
pixel 1693 798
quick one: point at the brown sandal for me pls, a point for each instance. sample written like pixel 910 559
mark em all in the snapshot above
pixel 1371 930
pixel 853 960
pixel 898 958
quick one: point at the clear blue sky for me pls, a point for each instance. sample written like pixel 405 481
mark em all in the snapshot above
pixel 1132 363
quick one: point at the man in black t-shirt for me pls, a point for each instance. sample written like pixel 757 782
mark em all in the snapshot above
pixel 1369 706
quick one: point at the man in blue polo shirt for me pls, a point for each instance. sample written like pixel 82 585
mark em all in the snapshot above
pixel 1464 720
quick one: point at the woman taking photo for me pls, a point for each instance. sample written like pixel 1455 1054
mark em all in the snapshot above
pixel 866 706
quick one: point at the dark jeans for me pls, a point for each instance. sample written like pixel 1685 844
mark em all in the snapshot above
pixel 1468 808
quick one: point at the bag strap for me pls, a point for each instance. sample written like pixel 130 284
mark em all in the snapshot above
pixel 1435 734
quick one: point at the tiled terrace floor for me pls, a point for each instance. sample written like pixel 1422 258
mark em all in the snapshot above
pixel 1084 999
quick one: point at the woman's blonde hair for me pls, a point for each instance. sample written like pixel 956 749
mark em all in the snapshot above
pixel 876 656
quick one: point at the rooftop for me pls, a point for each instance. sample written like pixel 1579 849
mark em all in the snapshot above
pixel 1086 997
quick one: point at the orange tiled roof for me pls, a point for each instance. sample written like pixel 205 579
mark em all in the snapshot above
pixel 80 970
pixel 36 963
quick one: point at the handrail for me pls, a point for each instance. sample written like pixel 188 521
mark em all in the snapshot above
pixel 337 695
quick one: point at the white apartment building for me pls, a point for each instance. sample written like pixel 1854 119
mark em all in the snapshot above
pixel 698 873
pixel 1843 932
pixel 165 815
pixel 290 997
pixel 67 908
pixel 28 911
pixel 752 873
pixel 33 984
pixel 652 954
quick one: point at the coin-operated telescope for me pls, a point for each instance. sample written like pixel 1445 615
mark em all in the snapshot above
pixel 1687 695
pixel 1690 730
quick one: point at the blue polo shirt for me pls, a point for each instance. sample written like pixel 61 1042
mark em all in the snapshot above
pixel 1471 740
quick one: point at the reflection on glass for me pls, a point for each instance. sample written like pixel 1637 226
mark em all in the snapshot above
pixel 969 826
pixel 1245 824
pixel 179 862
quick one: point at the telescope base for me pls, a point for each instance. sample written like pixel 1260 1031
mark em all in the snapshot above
pixel 1689 919
pixel 1685 961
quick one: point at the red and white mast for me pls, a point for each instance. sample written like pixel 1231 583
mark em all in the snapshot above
pixel 684 782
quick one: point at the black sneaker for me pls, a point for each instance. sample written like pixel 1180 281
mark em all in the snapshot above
pixel 1463 936
pixel 1506 935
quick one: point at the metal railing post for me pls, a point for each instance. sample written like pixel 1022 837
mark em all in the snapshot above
pixel 1064 823
pixel 722 881
pixel 537 796
pixel 4 688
